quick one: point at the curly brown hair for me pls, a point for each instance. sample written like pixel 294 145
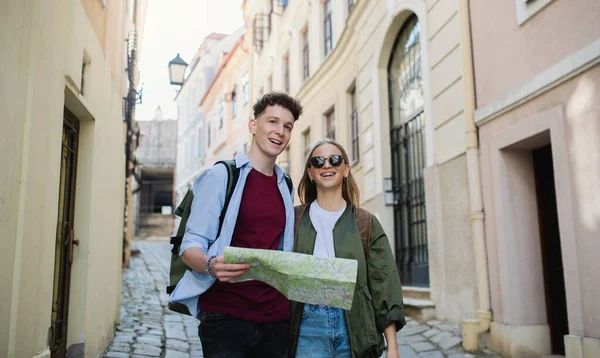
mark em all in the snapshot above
pixel 278 99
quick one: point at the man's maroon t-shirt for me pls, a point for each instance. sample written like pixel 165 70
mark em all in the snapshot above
pixel 260 223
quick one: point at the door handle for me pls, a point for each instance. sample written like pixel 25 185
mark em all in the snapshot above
pixel 73 243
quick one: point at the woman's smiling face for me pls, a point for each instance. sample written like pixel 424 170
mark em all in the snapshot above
pixel 328 176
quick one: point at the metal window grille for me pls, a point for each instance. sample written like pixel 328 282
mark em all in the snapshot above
pixel 262 30
pixel 408 156
pixel 63 256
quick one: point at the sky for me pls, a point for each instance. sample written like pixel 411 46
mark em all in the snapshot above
pixel 171 27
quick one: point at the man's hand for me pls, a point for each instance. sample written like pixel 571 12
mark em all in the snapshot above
pixel 226 272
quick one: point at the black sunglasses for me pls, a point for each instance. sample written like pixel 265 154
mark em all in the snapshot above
pixel 335 161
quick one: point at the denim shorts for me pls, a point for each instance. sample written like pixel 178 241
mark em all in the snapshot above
pixel 323 333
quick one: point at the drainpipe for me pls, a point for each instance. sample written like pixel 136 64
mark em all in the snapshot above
pixel 473 327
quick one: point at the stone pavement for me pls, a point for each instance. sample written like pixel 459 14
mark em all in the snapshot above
pixel 149 329
pixel 433 339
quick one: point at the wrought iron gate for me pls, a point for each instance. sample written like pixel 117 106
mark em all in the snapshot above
pixel 410 220
pixel 64 236
pixel 407 141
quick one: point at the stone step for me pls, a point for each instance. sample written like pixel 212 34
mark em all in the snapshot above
pixel 419 309
pixel 421 293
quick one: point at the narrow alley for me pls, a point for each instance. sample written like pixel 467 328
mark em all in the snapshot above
pixel 149 329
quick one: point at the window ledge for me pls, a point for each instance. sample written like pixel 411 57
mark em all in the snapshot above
pixel 527 9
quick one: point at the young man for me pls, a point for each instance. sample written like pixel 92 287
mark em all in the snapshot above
pixel 245 319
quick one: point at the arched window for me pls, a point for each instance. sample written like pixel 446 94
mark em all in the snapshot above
pixel 407 141
pixel 404 73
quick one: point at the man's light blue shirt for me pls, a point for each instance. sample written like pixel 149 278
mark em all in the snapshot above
pixel 203 224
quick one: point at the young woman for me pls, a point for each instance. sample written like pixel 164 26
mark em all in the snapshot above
pixel 328 227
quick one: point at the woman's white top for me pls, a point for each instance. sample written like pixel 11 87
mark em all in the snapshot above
pixel 324 221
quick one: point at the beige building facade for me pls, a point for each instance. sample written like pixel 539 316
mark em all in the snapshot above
pixel 62 139
pixel 227 107
pixel 537 74
pixel 191 128
pixel 386 79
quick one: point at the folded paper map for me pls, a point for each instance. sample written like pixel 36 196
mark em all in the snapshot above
pixel 300 277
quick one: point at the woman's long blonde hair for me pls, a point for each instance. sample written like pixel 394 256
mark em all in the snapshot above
pixel 307 190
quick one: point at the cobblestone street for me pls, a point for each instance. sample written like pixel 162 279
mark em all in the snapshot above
pixel 149 329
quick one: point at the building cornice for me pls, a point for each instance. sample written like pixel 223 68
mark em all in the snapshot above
pixel 336 55
pixel 557 74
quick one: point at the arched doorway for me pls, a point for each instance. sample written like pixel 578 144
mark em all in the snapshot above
pixel 407 141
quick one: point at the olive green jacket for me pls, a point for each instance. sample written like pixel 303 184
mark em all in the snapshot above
pixel 377 299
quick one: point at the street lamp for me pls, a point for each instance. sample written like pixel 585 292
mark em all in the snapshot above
pixel 177 68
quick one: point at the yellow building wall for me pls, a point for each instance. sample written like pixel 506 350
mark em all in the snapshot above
pixel 42 48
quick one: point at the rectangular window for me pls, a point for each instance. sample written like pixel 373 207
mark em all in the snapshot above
pixel 328 10
pixel 221 113
pixel 270 84
pixel 354 124
pixel 284 162
pixel 330 124
pixel 189 148
pixel 268 25
pixel 245 88
pixel 305 63
pixel 286 73
pixel 233 104
pixel 209 135
pixel 199 152
pixel 306 142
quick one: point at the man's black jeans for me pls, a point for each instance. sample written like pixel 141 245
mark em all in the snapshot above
pixel 227 336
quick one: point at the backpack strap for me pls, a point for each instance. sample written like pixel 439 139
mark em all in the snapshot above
pixel 185 204
pixel 233 175
pixel 364 220
pixel 289 183
pixel 298 211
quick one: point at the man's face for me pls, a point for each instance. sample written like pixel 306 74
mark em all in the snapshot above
pixel 272 130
